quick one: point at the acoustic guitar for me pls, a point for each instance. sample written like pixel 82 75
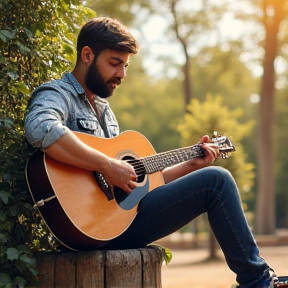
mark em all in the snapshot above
pixel 79 207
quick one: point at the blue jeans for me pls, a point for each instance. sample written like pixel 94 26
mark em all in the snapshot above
pixel 171 206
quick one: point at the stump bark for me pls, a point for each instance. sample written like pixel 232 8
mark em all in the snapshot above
pixel 135 268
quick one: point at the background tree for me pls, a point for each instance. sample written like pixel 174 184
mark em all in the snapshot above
pixel 187 23
pixel 266 54
pixel 187 26
pixel 273 14
pixel 281 125
pixel 281 158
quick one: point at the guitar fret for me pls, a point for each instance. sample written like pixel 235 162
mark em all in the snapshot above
pixel 163 160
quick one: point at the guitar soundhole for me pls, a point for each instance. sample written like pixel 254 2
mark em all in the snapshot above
pixel 138 167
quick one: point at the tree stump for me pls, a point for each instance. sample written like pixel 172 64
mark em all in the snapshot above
pixel 135 268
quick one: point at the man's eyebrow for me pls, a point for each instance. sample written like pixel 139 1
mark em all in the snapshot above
pixel 118 59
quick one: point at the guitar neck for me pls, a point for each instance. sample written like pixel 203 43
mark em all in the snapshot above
pixel 163 160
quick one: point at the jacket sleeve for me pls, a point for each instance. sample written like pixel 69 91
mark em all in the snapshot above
pixel 46 117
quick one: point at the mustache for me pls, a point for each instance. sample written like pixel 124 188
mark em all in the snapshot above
pixel 116 81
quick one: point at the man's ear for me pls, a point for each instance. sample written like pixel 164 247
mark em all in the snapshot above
pixel 87 55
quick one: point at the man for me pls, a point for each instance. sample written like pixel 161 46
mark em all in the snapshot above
pixel 77 103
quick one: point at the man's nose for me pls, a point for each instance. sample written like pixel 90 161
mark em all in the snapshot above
pixel 121 73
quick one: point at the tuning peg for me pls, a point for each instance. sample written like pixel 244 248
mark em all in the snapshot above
pixel 224 155
pixel 215 134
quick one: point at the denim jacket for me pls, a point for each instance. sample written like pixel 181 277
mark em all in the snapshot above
pixel 63 102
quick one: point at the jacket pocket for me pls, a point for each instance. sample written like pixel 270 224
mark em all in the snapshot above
pixel 88 125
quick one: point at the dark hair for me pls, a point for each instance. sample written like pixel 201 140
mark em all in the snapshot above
pixel 106 33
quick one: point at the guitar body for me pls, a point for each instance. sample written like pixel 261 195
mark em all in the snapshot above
pixel 77 211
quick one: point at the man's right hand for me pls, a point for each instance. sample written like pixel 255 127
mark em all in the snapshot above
pixel 120 174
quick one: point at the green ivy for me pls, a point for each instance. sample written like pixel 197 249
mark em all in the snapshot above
pixel 36 45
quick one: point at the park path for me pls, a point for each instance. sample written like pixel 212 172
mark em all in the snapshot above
pixel 188 268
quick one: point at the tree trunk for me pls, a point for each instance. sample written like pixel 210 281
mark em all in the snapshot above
pixel 188 90
pixel 265 200
pixel 187 79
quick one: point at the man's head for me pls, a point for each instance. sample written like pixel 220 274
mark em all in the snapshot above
pixel 105 33
pixel 104 46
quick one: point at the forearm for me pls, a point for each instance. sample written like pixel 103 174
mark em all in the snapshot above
pixel 71 150
pixel 174 172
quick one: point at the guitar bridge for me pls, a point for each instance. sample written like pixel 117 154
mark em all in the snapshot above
pixel 103 185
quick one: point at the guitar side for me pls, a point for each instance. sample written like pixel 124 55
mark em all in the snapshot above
pixel 80 215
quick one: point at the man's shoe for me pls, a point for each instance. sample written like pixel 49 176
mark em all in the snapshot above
pixel 283 282
pixel 271 277
pixel 269 280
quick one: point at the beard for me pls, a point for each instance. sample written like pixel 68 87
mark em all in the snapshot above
pixel 96 83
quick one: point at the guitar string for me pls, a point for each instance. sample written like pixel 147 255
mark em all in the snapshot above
pixel 183 154
pixel 192 153
pixel 186 154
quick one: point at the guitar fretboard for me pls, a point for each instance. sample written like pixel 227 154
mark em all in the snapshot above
pixel 163 160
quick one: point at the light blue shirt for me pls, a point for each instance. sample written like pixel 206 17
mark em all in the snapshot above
pixel 63 102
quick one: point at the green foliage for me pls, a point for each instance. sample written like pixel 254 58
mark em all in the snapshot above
pixel 166 253
pixel 219 71
pixel 212 115
pixel 36 44
pixel 15 256
pixel 125 11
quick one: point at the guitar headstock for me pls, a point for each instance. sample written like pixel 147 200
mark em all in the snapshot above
pixel 224 144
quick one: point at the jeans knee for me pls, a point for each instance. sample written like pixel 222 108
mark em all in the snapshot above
pixel 222 180
pixel 220 172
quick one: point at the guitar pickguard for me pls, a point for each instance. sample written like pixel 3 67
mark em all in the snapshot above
pixel 125 201
pixel 129 201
